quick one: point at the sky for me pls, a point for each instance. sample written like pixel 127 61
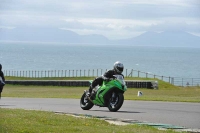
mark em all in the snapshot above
pixel 115 19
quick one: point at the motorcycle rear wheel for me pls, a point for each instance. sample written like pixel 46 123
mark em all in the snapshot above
pixel 85 103
pixel 115 105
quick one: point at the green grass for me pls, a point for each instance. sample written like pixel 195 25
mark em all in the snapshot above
pixel 23 121
pixel 166 91
pixel 176 94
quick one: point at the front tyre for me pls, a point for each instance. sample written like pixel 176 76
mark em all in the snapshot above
pixel 85 104
pixel 116 102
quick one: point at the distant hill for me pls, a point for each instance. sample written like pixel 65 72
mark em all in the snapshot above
pixel 178 39
pixel 50 35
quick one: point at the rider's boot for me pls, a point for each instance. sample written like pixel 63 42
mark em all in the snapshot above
pixel 90 90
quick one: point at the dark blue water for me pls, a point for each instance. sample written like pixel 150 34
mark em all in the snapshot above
pixel 167 61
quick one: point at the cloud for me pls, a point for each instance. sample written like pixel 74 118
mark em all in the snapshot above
pixel 175 26
pixel 7 27
pixel 113 18
pixel 158 2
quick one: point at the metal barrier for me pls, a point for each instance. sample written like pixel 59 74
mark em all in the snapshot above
pixel 82 83
pixel 77 73
pixel 185 81
pixel 98 72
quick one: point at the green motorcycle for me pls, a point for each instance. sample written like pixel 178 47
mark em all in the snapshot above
pixel 110 95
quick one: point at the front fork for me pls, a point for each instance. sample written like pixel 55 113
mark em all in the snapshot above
pixel 113 96
pixel 87 95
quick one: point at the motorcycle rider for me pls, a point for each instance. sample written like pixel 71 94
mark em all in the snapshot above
pixel 3 80
pixel 107 76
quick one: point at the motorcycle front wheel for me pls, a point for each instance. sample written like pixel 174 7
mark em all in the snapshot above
pixel 116 102
pixel 85 103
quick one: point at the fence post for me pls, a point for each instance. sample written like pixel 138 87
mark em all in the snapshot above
pixel 146 75
pixel 126 72
pixel 182 82
pixel 131 72
pixel 169 79
pixel 138 74
pixel 192 81
pixel 80 73
pixel 172 80
pixel 84 73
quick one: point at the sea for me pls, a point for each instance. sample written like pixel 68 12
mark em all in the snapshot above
pixel 166 61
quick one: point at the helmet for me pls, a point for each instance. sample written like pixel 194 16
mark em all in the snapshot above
pixel 118 67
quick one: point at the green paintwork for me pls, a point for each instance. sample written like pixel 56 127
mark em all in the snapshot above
pixel 104 89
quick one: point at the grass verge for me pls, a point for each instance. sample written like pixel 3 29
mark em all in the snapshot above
pixel 23 121
pixel 176 94
pixel 16 120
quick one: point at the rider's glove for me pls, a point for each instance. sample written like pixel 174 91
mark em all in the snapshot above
pixel 107 79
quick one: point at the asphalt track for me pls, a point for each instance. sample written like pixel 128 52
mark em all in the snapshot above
pixel 176 113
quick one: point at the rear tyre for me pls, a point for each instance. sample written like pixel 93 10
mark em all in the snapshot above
pixel 85 103
pixel 115 103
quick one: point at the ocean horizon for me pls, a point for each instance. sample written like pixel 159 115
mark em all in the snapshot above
pixel 167 61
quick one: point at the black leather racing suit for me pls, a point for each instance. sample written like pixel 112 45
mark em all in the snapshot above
pixel 3 78
pixel 99 80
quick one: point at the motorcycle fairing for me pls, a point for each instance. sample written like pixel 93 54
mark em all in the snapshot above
pixel 102 91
